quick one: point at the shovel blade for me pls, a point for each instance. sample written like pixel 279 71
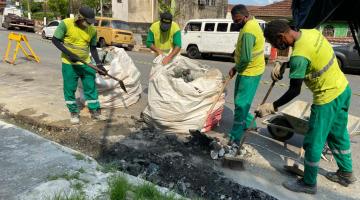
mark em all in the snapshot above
pixel 122 85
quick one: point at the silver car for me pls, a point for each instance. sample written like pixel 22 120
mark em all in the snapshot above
pixel 348 57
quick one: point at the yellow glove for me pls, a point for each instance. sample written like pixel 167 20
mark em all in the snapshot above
pixel 265 110
pixel 278 70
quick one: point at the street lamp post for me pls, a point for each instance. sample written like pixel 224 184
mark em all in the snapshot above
pixel 28 8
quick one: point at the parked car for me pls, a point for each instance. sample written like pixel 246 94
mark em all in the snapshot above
pixel 114 32
pixel 205 37
pixel 348 57
pixel 49 30
pixel 14 21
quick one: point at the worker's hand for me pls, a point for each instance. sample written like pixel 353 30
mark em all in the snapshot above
pixel 265 110
pixel 73 58
pixel 166 60
pixel 232 72
pixel 102 69
pixel 278 71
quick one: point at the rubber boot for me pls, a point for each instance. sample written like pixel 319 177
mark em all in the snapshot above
pixel 300 186
pixel 75 118
pixel 97 116
pixel 343 178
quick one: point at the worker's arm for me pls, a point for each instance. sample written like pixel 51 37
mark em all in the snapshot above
pixel 247 45
pixel 177 48
pixel 95 55
pixel 58 39
pixel 150 43
pixel 298 66
pixel 93 49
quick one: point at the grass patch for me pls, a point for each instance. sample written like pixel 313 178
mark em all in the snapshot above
pixel 119 188
pixel 79 156
pixel 65 176
pixel 81 170
pixel 63 196
pixel 78 186
pixel 109 167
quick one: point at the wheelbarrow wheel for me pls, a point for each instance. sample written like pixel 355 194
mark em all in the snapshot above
pixel 279 133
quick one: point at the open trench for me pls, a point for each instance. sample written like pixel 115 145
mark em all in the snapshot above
pixel 182 165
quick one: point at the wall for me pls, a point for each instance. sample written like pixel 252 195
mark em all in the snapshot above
pixel 141 11
pixel 120 10
pixel 341 28
pixel 190 9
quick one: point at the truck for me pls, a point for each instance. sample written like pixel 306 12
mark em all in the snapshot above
pixel 13 19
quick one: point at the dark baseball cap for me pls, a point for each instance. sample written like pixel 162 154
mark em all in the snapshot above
pixel 166 20
pixel 88 14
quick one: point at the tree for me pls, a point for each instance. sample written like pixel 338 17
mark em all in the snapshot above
pixel 168 6
pixel 95 4
pixel 59 7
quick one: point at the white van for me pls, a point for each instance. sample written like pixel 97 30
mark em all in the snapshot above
pixel 205 37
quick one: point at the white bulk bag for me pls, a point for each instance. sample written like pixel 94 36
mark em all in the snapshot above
pixel 177 106
pixel 121 66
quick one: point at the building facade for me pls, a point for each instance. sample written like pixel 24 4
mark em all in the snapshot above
pixel 141 13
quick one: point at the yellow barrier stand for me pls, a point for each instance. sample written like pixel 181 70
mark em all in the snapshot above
pixel 18 38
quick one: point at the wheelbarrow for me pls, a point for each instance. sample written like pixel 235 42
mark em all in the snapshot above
pixel 295 119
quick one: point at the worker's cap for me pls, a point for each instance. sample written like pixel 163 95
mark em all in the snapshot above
pixel 88 14
pixel 166 20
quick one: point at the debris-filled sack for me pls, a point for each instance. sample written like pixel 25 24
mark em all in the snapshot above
pixel 120 65
pixel 181 93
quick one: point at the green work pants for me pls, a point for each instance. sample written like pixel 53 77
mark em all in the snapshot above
pixel 245 90
pixel 71 75
pixel 328 123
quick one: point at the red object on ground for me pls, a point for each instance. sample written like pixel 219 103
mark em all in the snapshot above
pixel 213 119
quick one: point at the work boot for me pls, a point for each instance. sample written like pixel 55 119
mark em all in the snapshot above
pixel 97 116
pixel 75 118
pixel 343 178
pixel 232 150
pixel 300 186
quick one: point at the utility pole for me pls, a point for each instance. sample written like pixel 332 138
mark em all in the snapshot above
pixel 101 8
pixel 28 8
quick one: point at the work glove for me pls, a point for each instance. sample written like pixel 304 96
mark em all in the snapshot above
pixel 278 70
pixel 102 69
pixel 265 110
pixel 232 72
pixel 73 58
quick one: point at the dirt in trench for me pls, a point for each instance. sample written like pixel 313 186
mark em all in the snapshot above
pixel 166 160
pixel 181 166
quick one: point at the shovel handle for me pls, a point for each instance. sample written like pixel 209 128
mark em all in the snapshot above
pixel 256 116
pixel 122 85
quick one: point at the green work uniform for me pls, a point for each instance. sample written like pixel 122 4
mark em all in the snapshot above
pixel 313 60
pixel 165 41
pixel 78 41
pixel 250 65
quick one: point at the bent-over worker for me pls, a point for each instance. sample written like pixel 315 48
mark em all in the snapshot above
pixel 313 61
pixel 164 37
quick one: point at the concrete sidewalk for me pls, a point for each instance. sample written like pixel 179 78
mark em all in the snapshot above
pixel 33 168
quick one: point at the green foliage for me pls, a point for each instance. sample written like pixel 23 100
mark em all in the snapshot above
pixel 59 7
pixel 62 196
pixel 40 16
pixel 168 6
pixel 118 186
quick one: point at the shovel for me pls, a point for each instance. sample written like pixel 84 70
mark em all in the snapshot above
pixel 122 85
pixel 238 162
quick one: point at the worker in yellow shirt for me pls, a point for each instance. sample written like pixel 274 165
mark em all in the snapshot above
pixel 313 61
pixel 249 67
pixel 164 37
pixel 76 39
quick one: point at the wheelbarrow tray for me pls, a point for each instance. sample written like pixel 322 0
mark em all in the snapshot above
pixel 297 114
